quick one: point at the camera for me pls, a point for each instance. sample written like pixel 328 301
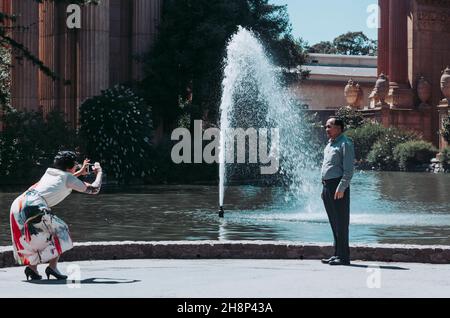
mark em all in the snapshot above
pixel 90 168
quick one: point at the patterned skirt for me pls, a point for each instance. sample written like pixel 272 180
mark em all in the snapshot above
pixel 38 236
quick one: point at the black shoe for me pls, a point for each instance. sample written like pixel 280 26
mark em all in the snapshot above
pixel 327 261
pixel 51 272
pixel 32 274
pixel 339 262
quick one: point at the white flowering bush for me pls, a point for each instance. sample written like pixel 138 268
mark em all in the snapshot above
pixel 382 154
pixel 117 129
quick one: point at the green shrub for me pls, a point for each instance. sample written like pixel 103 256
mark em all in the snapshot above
pixel 412 153
pixel 116 128
pixel 382 154
pixel 445 132
pixel 445 158
pixel 351 118
pixel 28 144
pixel 365 137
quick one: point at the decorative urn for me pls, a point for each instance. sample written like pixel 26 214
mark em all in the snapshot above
pixel 445 84
pixel 352 93
pixel 423 91
pixel 381 89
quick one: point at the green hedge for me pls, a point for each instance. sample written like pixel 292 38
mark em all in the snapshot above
pixel 413 153
pixel 28 144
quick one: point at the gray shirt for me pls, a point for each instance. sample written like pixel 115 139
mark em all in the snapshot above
pixel 339 161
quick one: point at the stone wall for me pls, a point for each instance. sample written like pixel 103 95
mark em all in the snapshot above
pixel 243 250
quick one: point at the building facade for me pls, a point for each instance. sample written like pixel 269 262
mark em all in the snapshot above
pixel 323 90
pixel 410 86
pixel 414 52
pixel 98 55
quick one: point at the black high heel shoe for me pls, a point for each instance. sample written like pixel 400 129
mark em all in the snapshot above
pixel 32 274
pixel 51 272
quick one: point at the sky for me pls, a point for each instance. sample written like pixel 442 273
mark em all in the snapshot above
pixel 324 20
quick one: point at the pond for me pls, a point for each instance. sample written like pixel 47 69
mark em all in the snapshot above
pixel 403 208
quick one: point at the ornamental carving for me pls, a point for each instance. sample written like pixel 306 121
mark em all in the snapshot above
pixel 430 20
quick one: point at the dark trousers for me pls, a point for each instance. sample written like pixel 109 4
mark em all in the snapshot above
pixel 339 216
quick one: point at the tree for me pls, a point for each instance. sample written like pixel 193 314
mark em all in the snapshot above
pixel 350 43
pixel 350 117
pixel 324 47
pixel 355 43
pixel 184 68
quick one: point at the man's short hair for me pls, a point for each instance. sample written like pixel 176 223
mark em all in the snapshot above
pixel 338 122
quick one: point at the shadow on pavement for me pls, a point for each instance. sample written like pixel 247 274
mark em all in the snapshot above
pixel 89 281
pixel 380 267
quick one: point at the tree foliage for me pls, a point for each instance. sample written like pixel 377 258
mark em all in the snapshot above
pixel 28 143
pixel 350 43
pixel 117 129
pixel 445 132
pixel 351 117
pixel 184 69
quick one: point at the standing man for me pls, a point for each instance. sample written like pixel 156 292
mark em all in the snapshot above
pixel 337 172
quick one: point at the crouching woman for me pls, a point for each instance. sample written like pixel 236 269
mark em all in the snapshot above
pixel 38 236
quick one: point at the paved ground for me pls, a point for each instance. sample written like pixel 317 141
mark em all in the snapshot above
pixel 234 279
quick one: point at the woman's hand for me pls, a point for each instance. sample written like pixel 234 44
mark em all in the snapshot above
pixel 84 169
pixel 97 168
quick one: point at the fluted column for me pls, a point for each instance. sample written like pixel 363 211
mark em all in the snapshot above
pixel 24 88
pixel 400 94
pixel 5 6
pixel 47 44
pixel 93 52
pixel 146 18
pixel 66 66
pixel 398 41
pixel 383 38
pixel 120 41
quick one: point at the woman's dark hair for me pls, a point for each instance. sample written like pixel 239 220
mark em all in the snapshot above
pixel 65 160
pixel 338 122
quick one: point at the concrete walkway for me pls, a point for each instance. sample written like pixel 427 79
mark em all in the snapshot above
pixel 234 279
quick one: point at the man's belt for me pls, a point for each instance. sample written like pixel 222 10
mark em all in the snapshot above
pixel 331 181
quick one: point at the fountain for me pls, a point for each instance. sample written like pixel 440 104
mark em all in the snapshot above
pixel 253 97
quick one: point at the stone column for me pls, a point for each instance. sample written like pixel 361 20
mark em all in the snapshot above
pixel 5 6
pixel 24 88
pixel 47 43
pixel 120 41
pixel 400 94
pixel 146 18
pixel 93 53
pixel 383 38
